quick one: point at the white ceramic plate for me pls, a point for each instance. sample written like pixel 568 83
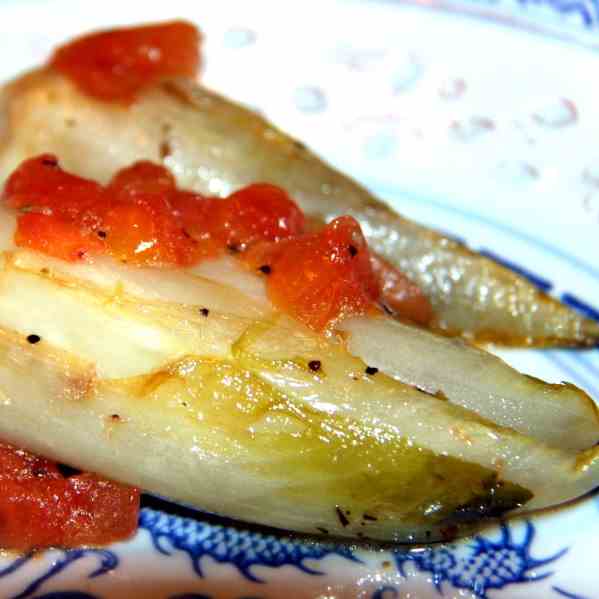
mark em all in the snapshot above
pixel 479 118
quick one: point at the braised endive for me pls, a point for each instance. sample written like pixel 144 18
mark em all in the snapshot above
pixel 213 145
pixel 190 384
pixel 193 380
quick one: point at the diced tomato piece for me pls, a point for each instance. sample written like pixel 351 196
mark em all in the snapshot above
pixel 140 244
pixel 22 465
pixel 145 231
pixel 195 211
pixel 115 65
pixel 320 277
pixel 399 294
pixel 258 212
pixel 141 217
pixel 41 182
pixel 147 224
pixel 56 237
pixel 104 511
pixel 265 254
pixel 39 507
pixel 196 214
pixel 141 178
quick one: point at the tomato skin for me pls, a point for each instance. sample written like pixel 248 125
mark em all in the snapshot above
pixel 115 65
pixel 39 507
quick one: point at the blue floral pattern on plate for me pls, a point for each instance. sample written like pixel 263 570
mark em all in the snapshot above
pixel 229 545
pixel 480 564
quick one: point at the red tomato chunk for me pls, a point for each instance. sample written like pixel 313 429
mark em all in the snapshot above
pixel 142 218
pixel 320 277
pixel 399 294
pixel 55 236
pixel 116 65
pixel 39 507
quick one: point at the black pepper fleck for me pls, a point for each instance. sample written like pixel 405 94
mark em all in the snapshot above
pixel 369 517
pixel 341 516
pixel 102 234
pixel 371 370
pixel 299 145
pixel 353 250
pixel 51 162
pixel 234 249
pixel 314 365
pixel 324 531
pixel 265 269
pixel 66 470
pixel 40 471
pixel 33 339
pixel 165 149
pixel 204 311
pixel 115 417
pixel 387 310
pixel 449 533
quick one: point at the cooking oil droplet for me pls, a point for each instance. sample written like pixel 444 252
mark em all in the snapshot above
pixel 557 114
pixel 310 99
pixel 590 203
pixel 239 38
pixel 524 130
pixel 470 128
pixel 590 175
pixel 452 89
pixel 517 172
pixel 380 146
pixel 406 75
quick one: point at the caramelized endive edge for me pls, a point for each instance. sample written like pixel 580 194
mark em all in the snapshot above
pixel 131 432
